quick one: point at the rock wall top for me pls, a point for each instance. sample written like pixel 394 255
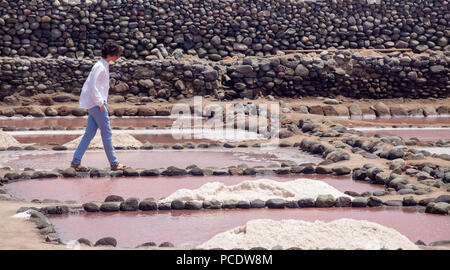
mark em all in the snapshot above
pixel 215 29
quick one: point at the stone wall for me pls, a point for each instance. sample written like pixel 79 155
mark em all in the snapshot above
pixel 342 73
pixel 215 29
pixel 327 74
pixel 159 78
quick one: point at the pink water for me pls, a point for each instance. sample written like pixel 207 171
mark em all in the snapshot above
pixel 411 120
pixel 46 139
pixel 152 159
pixel 90 189
pixel 168 139
pixel 65 138
pixel 134 228
pixel 422 134
pixel 39 122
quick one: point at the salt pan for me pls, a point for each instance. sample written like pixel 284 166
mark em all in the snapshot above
pixel 262 189
pixel 339 234
pixel 118 139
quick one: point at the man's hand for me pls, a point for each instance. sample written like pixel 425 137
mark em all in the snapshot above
pixel 102 108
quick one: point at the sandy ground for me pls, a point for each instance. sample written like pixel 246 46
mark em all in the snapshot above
pixel 18 233
pixel 21 234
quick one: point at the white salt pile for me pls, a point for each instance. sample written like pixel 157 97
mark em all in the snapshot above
pixel 22 215
pixel 262 189
pixel 339 234
pixel 7 140
pixel 118 140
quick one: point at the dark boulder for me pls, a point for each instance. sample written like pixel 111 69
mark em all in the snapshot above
pixel 326 200
pixel 343 202
pixel 148 205
pixel 106 241
pixel 275 203
pixel 130 204
pixel 257 203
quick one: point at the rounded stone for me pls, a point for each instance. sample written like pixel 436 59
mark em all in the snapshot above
pixel 276 203
pixel 343 202
pixel 326 200
pixel 114 198
pixel 174 171
pixel 306 202
pixel 151 172
pixel 130 172
pixel 323 170
pixel 229 204
pixel 148 205
pixel 57 210
pixel 292 204
pixel 164 206
pixel 147 244
pixel 443 198
pixel 193 205
pixel 394 203
pixel 110 207
pixel 243 205
pixel 395 153
pixel 166 244
pixel 69 173
pixel 177 205
pixel 359 202
pixel 91 207
pixel 130 204
pixel 196 171
pixel 409 201
pixel 177 146
pixel 341 170
pixel 374 201
pixel 440 208
pixel 213 204
pixel 106 241
pixel 405 191
pixel 84 241
pixel 257 203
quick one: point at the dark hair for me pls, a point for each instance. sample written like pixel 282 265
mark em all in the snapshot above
pixel 111 48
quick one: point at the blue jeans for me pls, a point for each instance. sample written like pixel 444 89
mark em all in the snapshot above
pixel 96 120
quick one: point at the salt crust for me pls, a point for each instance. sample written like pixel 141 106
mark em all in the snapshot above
pixel 7 140
pixel 339 234
pixel 118 139
pixel 262 189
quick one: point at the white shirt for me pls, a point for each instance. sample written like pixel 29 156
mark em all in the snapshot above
pixel 96 87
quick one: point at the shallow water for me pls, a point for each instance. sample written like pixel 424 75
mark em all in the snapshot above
pixel 443 120
pixel 157 136
pixel 134 228
pixel 423 134
pixel 49 160
pixel 39 122
pixel 434 150
pixel 61 139
pixel 90 189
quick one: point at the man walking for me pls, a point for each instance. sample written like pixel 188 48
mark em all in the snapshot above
pixel 94 96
